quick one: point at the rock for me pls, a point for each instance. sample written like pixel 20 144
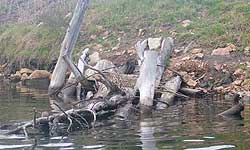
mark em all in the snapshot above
pixel 247 50
pixel 24 77
pixel 15 78
pixel 154 43
pixel 131 51
pixel 2 67
pixel 26 70
pixel 105 34
pixel 224 51
pixel 246 85
pixel 196 51
pixel 94 58
pixel 246 99
pixel 218 67
pixel 141 32
pixel 40 74
pixel 238 72
pixel 186 23
pixel 98 47
pixel 186 58
pixel 93 37
pixel 188 79
pixel 199 55
pixel 116 47
pixel 237 82
pixel 192 83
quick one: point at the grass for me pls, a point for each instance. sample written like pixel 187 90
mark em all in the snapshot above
pixel 214 24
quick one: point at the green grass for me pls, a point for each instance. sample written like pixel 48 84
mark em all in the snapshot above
pixel 214 24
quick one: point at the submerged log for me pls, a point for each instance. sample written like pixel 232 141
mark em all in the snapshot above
pixel 236 109
pixel 73 119
pixel 233 111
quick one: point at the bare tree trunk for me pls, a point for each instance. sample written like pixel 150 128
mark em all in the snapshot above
pixel 153 65
pixel 64 61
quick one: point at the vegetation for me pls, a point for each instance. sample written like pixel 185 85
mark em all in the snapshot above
pixel 213 24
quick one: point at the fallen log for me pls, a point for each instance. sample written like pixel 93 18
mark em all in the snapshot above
pixel 173 85
pixel 73 119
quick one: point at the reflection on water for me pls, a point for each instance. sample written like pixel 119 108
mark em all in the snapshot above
pixel 191 125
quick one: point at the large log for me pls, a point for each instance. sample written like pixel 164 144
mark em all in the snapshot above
pixel 64 62
pixel 146 80
pixel 153 65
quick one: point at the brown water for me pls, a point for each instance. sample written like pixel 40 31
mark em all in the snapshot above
pixel 191 124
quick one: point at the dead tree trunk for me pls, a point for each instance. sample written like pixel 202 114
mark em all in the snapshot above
pixel 153 64
pixel 64 62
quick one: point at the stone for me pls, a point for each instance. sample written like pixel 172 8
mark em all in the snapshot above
pixel 186 58
pixel 94 58
pixel 188 79
pixel 192 83
pixel 196 51
pixel 26 70
pixel 15 78
pixel 246 85
pixel 141 32
pixel 93 37
pixel 237 82
pixel 186 23
pixel 224 51
pixel 247 50
pixel 98 47
pixel 154 43
pixel 238 72
pixel 199 55
pixel 116 47
pixel 24 77
pixel 40 74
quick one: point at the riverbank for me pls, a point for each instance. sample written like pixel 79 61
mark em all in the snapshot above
pixel 113 27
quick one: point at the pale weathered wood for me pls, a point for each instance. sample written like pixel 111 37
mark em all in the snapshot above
pixel 171 88
pixel 165 53
pixel 140 48
pixel 64 61
pixel 146 80
pixel 153 65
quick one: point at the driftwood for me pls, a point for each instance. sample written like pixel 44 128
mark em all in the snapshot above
pixel 73 119
pixel 233 111
pixel 191 92
pixel 172 87
pixel 64 62
pixel 153 64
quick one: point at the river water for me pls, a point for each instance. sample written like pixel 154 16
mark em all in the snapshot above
pixel 191 124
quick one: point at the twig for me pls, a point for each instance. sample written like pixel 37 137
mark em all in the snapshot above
pixel 68 117
pixel 34 117
pixel 201 77
pixel 171 91
pixel 86 122
pixel 109 83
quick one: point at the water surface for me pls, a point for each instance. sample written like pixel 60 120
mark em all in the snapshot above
pixel 191 125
